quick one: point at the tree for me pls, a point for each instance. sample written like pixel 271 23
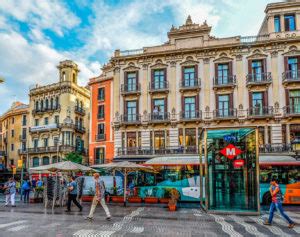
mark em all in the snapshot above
pixel 74 157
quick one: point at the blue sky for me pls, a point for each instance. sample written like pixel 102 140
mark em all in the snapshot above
pixel 36 34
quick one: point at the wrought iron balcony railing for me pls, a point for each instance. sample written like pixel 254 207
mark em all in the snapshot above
pixel 292 110
pixel 261 111
pixel 158 86
pixel 23 137
pixel 225 113
pixel 275 148
pixel 259 78
pixel 131 118
pixel 225 81
pixel 130 88
pixel 189 84
pixel 190 115
pixel 46 109
pixel 79 110
pixel 149 151
pixel 293 75
pixel 100 137
pixel 159 117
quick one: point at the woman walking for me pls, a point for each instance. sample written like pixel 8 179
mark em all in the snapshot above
pixel 10 192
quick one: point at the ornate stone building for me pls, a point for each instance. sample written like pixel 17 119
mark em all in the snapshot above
pixel 58 118
pixel 164 95
pixel 13 134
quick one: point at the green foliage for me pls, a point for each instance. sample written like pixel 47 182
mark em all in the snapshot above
pixel 74 157
pixel 174 195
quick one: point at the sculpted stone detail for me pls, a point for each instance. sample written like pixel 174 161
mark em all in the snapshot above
pixel 274 54
pixel 206 60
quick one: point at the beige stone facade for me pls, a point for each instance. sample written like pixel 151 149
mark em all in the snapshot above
pixel 164 95
pixel 59 118
pixel 13 134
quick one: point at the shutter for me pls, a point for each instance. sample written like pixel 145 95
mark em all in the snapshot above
pixel 287 97
pixel 197 103
pixel 125 78
pixel 231 100
pixel 217 102
pixel 286 63
pixel 137 108
pixel 152 105
pixel 298 63
pixel 216 73
pixel 137 79
pixel 286 25
pixel 250 100
pixel 182 104
pixel 166 105
pixel 249 66
pixel 125 107
pixel 230 69
pixel 165 75
pixel 152 77
pixel 196 71
pixel 264 65
pixel 182 76
pixel 265 98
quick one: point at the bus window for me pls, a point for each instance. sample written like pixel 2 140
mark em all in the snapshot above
pixel 293 176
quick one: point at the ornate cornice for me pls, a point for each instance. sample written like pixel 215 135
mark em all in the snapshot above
pixel 131 68
pixel 223 59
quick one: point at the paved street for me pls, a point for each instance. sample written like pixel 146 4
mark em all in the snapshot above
pixel 34 220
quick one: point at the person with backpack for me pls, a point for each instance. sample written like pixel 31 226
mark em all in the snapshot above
pixel 72 196
pixel 26 190
pixel 10 192
pixel 277 199
pixel 99 197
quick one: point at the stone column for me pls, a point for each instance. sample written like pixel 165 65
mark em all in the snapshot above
pixel 288 138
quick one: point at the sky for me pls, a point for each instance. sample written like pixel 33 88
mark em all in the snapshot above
pixel 35 35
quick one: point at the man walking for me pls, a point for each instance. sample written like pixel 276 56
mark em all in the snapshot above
pixel 99 197
pixel 72 188
pixel 10 192
pixel 277 198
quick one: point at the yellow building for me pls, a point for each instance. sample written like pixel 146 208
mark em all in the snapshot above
pixel 164 95
pixel 13 134
pixel 58 118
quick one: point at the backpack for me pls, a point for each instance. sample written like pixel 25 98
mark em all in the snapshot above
pixel 25 186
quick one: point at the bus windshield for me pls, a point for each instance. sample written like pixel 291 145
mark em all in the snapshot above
pixel 284 174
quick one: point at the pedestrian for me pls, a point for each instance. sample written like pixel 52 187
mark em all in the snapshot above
pixel 72 195
pixel 39 183
pixel 26 190
pixel 10 192
pixel 18 187
pixel 277 199
pixel 99 197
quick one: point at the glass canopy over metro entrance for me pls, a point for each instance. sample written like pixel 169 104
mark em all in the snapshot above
pixel 230 170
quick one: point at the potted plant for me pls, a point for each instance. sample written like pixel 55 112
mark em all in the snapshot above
pixel 89 197
pixel 117 197
pixel 135 198
pixel 166 196
pixel 38 195
pixel 174 195
pixel 151 195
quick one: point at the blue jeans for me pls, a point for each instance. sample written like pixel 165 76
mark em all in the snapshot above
pixel 279 207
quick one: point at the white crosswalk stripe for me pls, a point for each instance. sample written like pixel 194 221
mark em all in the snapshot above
pixel 18 228
pixel 281 222
pixel 248 227
pixel 226 227
pixel 11 224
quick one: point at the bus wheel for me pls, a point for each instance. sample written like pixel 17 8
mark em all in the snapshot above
pixel 267 199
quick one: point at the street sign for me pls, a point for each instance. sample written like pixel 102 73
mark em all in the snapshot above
pixel 238 163
pixel 230 151
pixel 20 163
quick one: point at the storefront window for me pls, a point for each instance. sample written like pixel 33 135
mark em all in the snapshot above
pixel 159 141
pixel 180 137
pixel 190 139
pixel 131 142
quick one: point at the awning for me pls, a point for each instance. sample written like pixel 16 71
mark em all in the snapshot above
pixel 278 160
pixel 174 160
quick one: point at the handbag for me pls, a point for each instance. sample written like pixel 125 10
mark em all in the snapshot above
pixel 7 191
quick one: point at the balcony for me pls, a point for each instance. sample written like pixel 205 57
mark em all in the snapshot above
pixel 162 86
pixel 2 153
pixel 131 119
pixel 189 85
pixel 190 115
pixel 131 89
pixel 259 79
pixel 159 117
pixel 79 128
pixel 152 151
pixel 221 82
pixel 292 110
pixel 49 149
pixel 43 128
pixel 225 114
pixel 275 148
pixel 265 111
pixel 100 137
pixel 22 138
pixel 79 110
pixel 290 77
pixel 46 110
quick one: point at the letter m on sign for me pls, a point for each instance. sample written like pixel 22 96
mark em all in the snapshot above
pixel 230 151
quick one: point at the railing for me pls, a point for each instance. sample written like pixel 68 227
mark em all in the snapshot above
pixel 131 118
pixel 100 137
pixel 261 111
pixel 225 113
pixel 292 109
pixel 130 88
pixel 190 115
pixel 22 137
pixel 79 128
pixel 100 116
pixel 224 81
pixel 48 149
pixel 157 151
pixel 48 127
pixel 131 52
pixel 293 75
pixel 2 153
pixel 190 83
pixel 79 110
pixel 159 116
pixel 46 109
pixel 254 39
pixel 275 148
pixel 258 78
pixel 159 86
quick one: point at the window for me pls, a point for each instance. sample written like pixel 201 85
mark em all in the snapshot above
pixel 45 142
pixel 42 105
pixel 51 103
pixel 159 109
pixel 99 155
pixel 131 143
pixel 36 122
pixel 12 133
pixel 63 76
pixel 223 73
pixel 12 147
pixel 74 78
pixel 289 22
pixel 223 105
pixel 257 103
pixel 159 79
pixel 293 67
pixel 294 101
pixel 190 138
pixel 56 119
pixel 189 76
pixel 46 104
pixel 36 105
pixel 101 93
pixel 159 140
pixel 277 25
pixel 131 81
pixel 35 161
pixel 101 129
pixel 190 107
pixel 23 146
pixel 23 133
pixel 56 102
pixel 55 141
pixel 24 120
pixel 46 121
pixel 45 160
pixel 13 120
pixel 131 107
pixel 101 112
pixel 35 143
pixel 257 70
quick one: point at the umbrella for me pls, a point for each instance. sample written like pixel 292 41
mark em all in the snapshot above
pixel 62 166
pixel 125 167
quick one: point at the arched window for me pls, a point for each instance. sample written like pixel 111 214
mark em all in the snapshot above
pixel 36 105
pixel 81 104
pixel 47 104
pixel 55 159
pixel 35 161
pixel 63 76
pixel 80 122
pixel 51 103
pixel 56 102
pixel 45 160
pixel 76 121
pixel 42 104
pixel 77 103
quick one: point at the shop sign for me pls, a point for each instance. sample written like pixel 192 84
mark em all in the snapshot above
pixel 238 163
pixel 230 151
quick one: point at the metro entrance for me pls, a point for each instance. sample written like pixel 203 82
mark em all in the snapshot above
pixel 230 170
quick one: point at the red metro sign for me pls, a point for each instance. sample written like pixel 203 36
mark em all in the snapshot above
pixel 230 151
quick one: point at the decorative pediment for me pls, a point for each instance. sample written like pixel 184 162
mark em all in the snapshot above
pixel 130 68
pixel 189 62
pixel 223 59
pixel 158 65
pixel 292 52
pixel 257 55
